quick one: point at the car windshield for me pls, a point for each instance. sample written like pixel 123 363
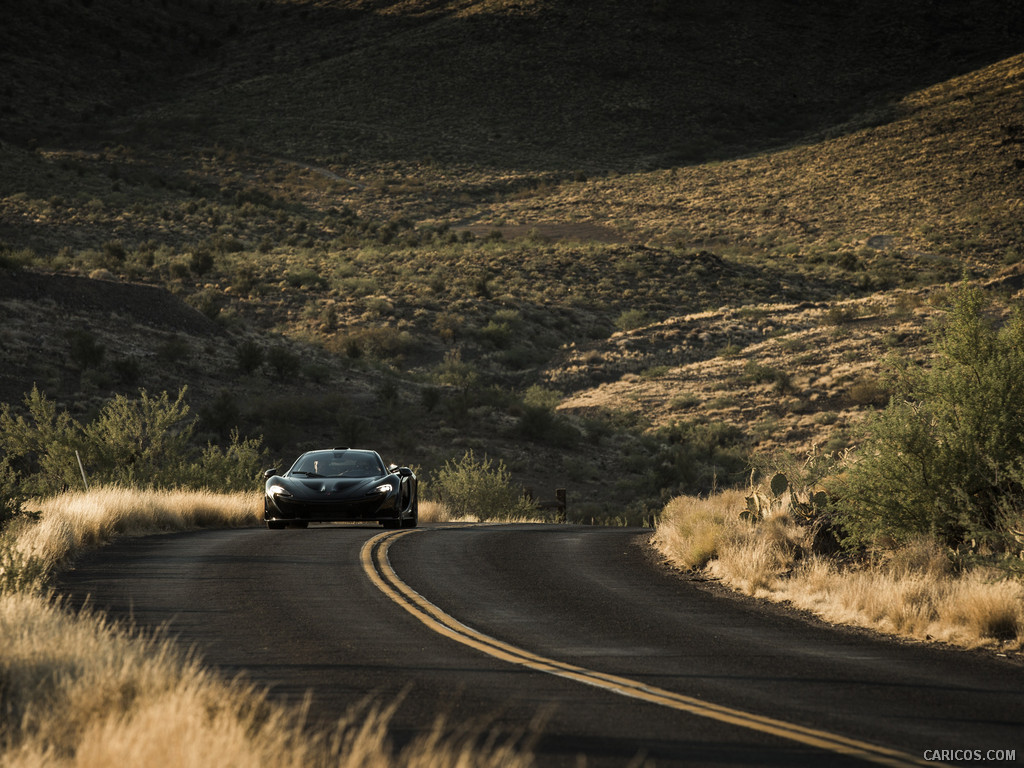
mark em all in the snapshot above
pixel 338 464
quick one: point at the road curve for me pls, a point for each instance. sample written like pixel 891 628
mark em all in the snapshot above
pixel 309 610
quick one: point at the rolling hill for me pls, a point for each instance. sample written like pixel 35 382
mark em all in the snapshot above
pixel 621 246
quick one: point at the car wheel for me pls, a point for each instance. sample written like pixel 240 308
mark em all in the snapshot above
pixel 275 525
pixel 299 524
pixel 391 523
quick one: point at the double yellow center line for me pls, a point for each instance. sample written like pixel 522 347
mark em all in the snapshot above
pixel 374 557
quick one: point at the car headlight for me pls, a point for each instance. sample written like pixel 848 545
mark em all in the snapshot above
pixel 384 488
pixel 278 490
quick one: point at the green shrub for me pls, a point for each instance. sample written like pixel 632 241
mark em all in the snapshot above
pixel 85 350
pixel 209 301
pixel 236 467
pixel 174 349
pixel 539 421
pixel 41 446
pixel 695 457
pixel 481 488
pixel 283 362
pixel 142 442
pixel 248 356
pixel 126 370
pixel 11 494
pixel 946 457
pixel 631 319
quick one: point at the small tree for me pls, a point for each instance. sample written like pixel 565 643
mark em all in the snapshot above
pixel 141 441
pixel 480 487
pixel 236 467
pixel 11 494
pixel 40 445
pixel 945 456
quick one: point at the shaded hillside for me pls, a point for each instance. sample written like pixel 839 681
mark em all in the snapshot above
pixel 541 84
pixel 596 85
pixel 69 68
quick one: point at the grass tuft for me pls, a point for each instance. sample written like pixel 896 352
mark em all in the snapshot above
pixel 78 520
pixel 913 592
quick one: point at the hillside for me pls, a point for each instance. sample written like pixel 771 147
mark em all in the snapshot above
pixel 695 230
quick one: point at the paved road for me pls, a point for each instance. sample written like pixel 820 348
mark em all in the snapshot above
pixel 299 611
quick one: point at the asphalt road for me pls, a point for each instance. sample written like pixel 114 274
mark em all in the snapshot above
pixel 563 609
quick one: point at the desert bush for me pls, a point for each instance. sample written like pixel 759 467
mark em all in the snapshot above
pixel 304 278
pixel 944 459
pixel 85 350
pixel 695 456
pixel 15 259
pixel 454 372
pixel 868 390
pixel 692 530
pixel 631 319
pixel 248 356
pixel 139 441
pixel 200 262
pixel 12 497
pixel 41 446
pixel 379 342
pixel 430 398
pixel 539 421
pixel 174 349
pixel 146 441
pixel 234 467
pixel 209 301
pixel 221 415
pixel 283 361
pixel 471 487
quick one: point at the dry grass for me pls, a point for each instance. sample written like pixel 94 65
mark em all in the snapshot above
pixel 914 593
pixel 73 521
pixel 439 512
pixel 435 512
pixel 693 530
pixel 79 691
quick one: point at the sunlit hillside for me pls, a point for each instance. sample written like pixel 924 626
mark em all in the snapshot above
pixel 576 236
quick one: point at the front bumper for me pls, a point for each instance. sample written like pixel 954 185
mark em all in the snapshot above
pixel 331 510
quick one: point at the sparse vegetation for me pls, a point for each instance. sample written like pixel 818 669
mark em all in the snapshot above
pixel 706 256
pixel 945 459
pixel 141 442
pixel 480 489
pixel 930 501
pixel 913 592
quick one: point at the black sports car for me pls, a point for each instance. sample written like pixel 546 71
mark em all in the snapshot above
pixel 341 484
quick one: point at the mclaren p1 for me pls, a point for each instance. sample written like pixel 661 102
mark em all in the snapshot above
pixel 341 484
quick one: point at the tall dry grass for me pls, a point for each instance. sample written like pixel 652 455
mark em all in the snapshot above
pixel 439 512
pixel 76 690
pixel 912 593
pixel 81 692
pixel 73 521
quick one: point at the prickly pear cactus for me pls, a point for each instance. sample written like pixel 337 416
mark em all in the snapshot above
pixel 779 484
pixel 755 509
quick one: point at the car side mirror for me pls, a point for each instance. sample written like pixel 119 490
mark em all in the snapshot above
pixel 270 473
